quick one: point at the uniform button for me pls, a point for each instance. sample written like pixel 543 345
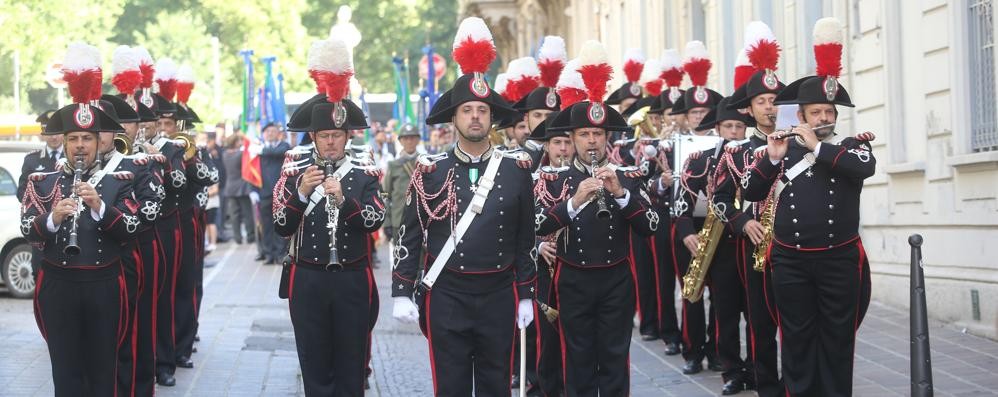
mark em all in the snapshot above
pixel 797 234
pixel 461 241
pixel 608 251
pixel 611 237
pixel 500 227
pixel 583 262
pixel 346 234
pixel 63 262
pixel 830 246
pixel 786 158
pixel 798 246
pixel 831 192
pixel 791 194
pixel 580 251
pixel 579 240
pixel 461 267
pixel 500 198
pixel 833 180
pixel 578 228
pixel 791 183
pixel 500 240
pixel 795 220
pixel 501 213
pixel 498 267
pixel 461 254
pixel 500 254
pixel 831 235
pixel 793 207
pixel 313 234
pixel 314 247
pixel 499 186
pixel 831 221
pixel 831 206
pixel 345 247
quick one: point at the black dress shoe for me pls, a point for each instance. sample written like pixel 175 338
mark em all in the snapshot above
pixel 693 367
pixel 166 379
pixel 197 338
pixel 270 261
pixel 260 257
pixel 671 348
pixel 515 384
pixel 714 365
pixel 733 386
pixel 367 384
pixel 648 337
pixel 185 362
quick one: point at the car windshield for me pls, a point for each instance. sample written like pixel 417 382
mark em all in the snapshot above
pixel 7 185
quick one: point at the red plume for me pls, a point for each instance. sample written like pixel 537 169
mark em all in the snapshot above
pixel 632 69
pixel 742 74
pixel 167 89
pixel 83 84
pixel 654 87
pixel 334 85
pixel 764 54
pixel 673 77
pixel 550 69
pixel 828 58
pixel 697 69
pixel 147 72
pixel 474 56
pixel 570 96
pixel 519 88
pixel 184 91
pixel 126 82
pixel 595 78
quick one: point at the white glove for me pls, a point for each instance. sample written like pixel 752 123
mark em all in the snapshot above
pixel 525 313
pixel 254 197
pixel 404 310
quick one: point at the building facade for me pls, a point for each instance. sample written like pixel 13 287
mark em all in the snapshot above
pixel 922 76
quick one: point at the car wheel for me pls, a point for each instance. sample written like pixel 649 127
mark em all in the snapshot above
pixel 17 271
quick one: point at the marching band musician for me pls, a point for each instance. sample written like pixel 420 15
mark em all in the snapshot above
pixel 81 216
pixel 595 289
pixel 757 95
pixel 469 214
pixel 820 272
pixel 328 205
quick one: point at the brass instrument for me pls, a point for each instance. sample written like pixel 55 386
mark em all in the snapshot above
pixel 190 149
pixel 761 249
pixel 333 215
pixel 710 236
pixel 73 246
pixel 123 144
pixel 642 124
pixel 601 209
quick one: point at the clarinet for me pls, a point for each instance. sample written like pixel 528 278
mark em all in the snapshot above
pixel 73 248
pixel 333 213
pixel 601 210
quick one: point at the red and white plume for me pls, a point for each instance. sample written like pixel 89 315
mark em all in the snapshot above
pixel 828 47
pixel 743 68
pixel 570 87
pixel 502 81
pixel 473 47
pixel 166 78
pixel 651 77
pixel 524 76
pixel 672 68
pixel 125 73
pixel 81 69
pixel 595 70
pixel 762 49
pixel 697 63
pixel 634 62
pixel 551 60
pixel 330 65
pixel 146 66
pixel 185 83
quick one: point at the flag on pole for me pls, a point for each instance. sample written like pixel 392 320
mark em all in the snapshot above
pixel 250 160
pixel 430 93
pixel 402 111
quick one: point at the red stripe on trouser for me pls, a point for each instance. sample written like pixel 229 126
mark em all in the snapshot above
pixel 675 263
pixel 155 294
pixel 140 287
pixel 561 330
pixel 658 282
pixel 634 276
pixel 38 307
pixel 173 285
pixel 370 301
pixel 859 297
pixel 429 341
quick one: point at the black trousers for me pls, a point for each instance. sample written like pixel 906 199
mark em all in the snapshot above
pixel 597 308
pixel 330 312
pixel 548 340
pixel 727 296
pixel 471 337
pixel 644 267
pixel 189 278
pixel 821 297
pixel 137 356
pixel 168 236
pixel 82 315
pixel 698 340
pixel 239 210
pixel 762 322
pixel 666 269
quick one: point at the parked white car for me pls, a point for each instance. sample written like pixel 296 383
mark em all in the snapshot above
pixel 15 253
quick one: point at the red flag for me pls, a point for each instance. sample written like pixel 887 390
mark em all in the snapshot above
pixel 251 166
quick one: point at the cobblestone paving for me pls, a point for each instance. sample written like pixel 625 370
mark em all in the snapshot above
pixel 247 348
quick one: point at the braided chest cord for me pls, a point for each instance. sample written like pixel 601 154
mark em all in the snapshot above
pixel 547 200
pixel 447 208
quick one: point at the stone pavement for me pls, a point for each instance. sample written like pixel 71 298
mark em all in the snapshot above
pixel 247 348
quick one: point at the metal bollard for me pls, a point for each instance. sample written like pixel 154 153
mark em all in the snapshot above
pixel 921 357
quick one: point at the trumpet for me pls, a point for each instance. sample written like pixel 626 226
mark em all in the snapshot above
pixel 601 209
pixel 333 215
pixel 73 247
pixel 123 144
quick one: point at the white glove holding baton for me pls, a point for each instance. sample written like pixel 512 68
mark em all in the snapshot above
pixel 405 310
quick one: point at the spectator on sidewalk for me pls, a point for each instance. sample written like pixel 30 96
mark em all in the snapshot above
pixel 236 193
pixel 272 247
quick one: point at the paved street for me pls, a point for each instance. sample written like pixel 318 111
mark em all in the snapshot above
pixel 247 348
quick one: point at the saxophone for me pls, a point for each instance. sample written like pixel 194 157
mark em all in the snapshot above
pixel 710 236
pixel 759 255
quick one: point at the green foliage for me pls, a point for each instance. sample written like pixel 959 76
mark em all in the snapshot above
pixel 185 30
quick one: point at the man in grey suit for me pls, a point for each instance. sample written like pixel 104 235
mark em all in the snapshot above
pixel 237 191
pixel 272 247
